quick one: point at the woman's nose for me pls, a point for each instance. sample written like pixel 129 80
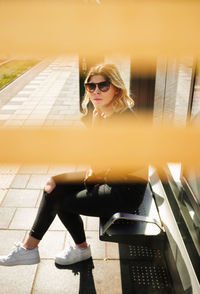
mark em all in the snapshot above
pixel 97 91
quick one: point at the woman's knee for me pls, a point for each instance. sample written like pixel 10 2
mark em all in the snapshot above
pixel 50 185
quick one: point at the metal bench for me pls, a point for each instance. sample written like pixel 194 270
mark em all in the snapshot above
pixel 124 227
pixel 146 260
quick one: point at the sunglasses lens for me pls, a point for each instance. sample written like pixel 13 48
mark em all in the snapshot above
pixel 90 87
pixel 104 86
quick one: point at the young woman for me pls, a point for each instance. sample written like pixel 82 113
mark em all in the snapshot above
pixel 89 193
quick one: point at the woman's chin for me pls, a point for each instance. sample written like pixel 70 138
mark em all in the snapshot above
pixel 97 104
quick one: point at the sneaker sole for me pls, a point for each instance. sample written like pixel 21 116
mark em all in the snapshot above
pixel 77 266
pixel 23 262
pixel 63 262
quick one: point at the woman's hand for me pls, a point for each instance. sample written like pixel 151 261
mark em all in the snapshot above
pixel 95 177
pixel 92 178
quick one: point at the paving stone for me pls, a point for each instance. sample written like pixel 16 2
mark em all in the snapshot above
pixel 14 122
pixel 7 111
pixel 17 280
pixel 65 281
pixel 34 83
pixel 2 194
pixel 92 223
pixel 33 169
pixel 55 117
pixel 29 107
pixel 63 123
pixel 11 107
pixel 112 250
pixel 39 199
pixel 8 169
pixel 37 181
pixel 23 93
pixel 37 116
pixel 97 246
pixel 29 87
pixel 49 122
pixel 52 280
pixel 78 124
pixel 20 181
pixel 51 244
pixel 23 111
pixel 57 108
pixel 23 219
pixel 11 102
pixel 18 99
pixel 21 198
pixel 20 116
pixel 107 277
pixel 6 215
pixel 4 116
pixel 60 169
pixel 42 110
pixel 34 122
pixel 5 181
pixel 54 111
pixel 57 225
pixel 10 237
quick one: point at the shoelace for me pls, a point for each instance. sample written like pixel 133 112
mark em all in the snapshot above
pixel 15 248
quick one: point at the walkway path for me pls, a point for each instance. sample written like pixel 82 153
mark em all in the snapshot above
pixel 51 98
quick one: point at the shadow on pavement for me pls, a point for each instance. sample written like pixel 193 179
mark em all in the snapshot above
pixel 83 268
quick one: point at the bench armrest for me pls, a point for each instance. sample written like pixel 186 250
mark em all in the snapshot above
pixel 129 216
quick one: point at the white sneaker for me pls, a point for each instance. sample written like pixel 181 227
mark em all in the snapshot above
pixel 20 256
pixel 72 255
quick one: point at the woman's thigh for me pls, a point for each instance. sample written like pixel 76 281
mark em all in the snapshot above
pixel 66 186
pixel 104 199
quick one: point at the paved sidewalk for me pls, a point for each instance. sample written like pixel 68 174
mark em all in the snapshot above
pixel 50 99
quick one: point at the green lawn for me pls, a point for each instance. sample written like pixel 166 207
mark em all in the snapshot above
pixel 13 69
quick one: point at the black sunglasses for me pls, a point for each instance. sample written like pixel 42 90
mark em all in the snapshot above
pixel 103 86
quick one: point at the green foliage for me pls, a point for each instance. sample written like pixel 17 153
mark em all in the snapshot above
pixel 11 70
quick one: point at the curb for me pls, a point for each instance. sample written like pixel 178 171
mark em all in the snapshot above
pixel 20 82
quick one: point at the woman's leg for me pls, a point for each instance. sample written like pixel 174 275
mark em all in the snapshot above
pixel 69 200
pixel 74 224
pixel 50 204
pixel 103 200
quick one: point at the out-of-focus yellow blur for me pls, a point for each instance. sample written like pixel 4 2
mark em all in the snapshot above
pixel 121 146
pixel 144 29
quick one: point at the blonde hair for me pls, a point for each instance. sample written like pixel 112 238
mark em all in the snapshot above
pixel 110 72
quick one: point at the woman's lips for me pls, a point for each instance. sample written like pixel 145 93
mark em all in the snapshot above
pixel 97 99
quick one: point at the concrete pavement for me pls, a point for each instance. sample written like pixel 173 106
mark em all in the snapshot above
pixel 49 98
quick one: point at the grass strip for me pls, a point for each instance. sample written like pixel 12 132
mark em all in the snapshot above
pixel 14 68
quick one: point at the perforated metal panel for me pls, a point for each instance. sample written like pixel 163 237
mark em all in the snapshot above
pixel 144 251
pixel 144 270
pixel 151 276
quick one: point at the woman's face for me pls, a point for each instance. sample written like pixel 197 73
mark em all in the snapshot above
pixel 102 100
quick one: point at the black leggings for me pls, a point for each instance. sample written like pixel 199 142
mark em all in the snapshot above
pixel 69 200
